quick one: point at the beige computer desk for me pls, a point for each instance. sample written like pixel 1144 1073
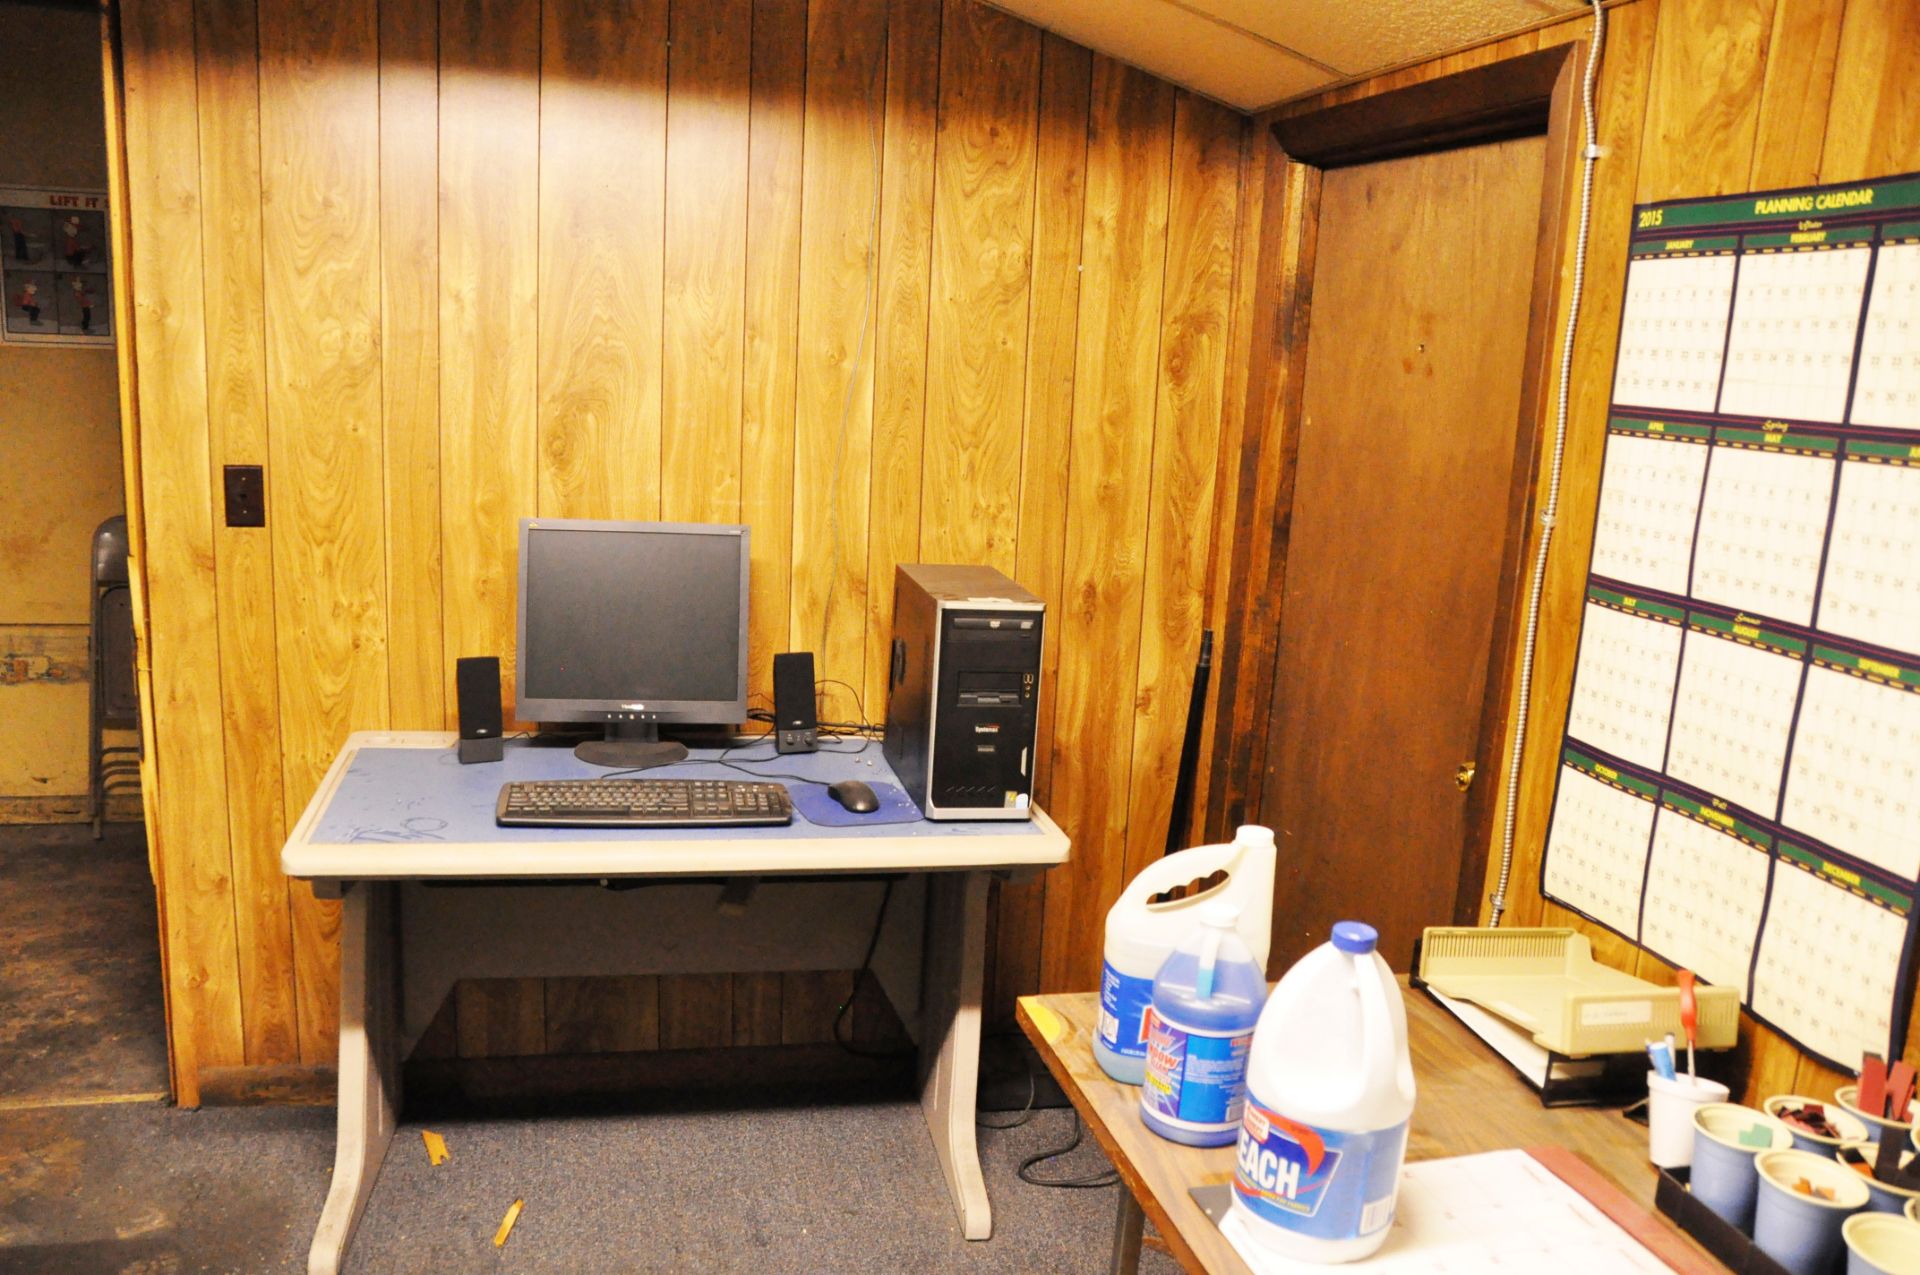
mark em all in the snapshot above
pixel 397 818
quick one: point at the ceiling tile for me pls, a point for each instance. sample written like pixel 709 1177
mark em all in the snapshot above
pixel 1181 45
pixel 1356 38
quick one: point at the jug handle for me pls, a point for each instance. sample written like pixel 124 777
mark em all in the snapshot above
pixel 1376 1017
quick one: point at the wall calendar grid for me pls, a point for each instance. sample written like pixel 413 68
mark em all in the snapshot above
pixel 1739 779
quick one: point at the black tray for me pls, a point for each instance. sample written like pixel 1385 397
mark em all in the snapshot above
pixel 1723 1239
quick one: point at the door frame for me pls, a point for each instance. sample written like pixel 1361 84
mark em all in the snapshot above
pixel 1530 94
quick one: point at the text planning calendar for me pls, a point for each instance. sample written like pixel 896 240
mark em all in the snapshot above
pixel 1739 785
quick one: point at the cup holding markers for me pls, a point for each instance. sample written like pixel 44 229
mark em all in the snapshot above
pixel 1803 1202
pixel 1726 1138
pixel 1671 1103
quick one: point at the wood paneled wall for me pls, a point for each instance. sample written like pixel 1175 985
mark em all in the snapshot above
pixel 1696 97
pixel 888 280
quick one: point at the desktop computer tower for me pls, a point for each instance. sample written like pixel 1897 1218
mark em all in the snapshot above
pixel 964 691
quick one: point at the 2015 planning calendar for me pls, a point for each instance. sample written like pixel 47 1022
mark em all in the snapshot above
pixel 1739 781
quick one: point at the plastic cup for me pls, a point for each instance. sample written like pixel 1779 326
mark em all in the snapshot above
pixel 1881 1245
pixel 1670 1106
pixel 1852 1128
pixel 1882 1197
pixel 1723 1177
pixel 1802 1232
pixel 1848 1096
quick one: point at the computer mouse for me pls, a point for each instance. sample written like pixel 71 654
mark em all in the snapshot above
pixel 855 796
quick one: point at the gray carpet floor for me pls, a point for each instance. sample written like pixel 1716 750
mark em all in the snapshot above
pixel 138 1188
pixel 145 1190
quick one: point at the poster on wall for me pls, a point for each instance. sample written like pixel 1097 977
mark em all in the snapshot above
pixel 1739 781
pixel 55 271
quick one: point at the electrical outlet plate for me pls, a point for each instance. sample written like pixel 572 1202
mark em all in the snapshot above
pixel 246 496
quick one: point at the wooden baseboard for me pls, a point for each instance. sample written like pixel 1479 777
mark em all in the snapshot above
pixel 290 1086
pixel 71 808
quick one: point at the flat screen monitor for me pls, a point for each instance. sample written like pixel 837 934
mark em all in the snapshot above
pixel 631 624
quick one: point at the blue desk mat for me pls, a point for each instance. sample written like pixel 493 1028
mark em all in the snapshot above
pixel 425 794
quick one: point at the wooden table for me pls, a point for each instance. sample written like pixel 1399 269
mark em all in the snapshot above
pixel 1469 1101
pixel 433 892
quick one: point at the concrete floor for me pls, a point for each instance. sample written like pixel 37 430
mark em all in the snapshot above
pixel 81 1010
pixel 88 1184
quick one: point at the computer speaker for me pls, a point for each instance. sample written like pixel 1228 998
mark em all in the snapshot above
pixel 796 722
pixel 476 682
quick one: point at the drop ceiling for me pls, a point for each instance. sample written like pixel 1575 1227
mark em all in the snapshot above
pixel 1252 54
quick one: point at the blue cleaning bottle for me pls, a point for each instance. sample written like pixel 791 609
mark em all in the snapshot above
pixel 1206 1003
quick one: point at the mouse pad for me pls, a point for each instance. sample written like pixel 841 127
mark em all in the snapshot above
pixel 816 807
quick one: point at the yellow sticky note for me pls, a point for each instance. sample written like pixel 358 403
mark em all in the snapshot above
pixel 1045 1019
pixel 506 1223
pixel 436 1147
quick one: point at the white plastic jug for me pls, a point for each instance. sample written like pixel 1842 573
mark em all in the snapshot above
pixel 1140 934
pixel 1329 1095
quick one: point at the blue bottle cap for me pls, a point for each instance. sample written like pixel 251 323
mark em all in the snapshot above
pixel 1355 936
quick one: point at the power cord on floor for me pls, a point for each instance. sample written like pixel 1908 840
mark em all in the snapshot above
pixel 1089 1182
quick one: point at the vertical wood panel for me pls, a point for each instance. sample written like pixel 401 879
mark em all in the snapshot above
pixel 707 113
pixel 1794 93
pixel 1202 207
pixel 229 115
pixel 1703 104
pixel 1873 127
pixel 1123 251
pixel 499 1017
pixel 320 238
pixel 696 1011
pixel 1244 320
pixel 900 335
pixel 845 104
pixel 410 360
pixel 772 281
pixel 602 1015
pixel 756 1009
pixel 1060 177
pixel 489 171
pixel 191 839
pixel 1289 233
pixel 602 114
pixel 982 254
pixel 808 1003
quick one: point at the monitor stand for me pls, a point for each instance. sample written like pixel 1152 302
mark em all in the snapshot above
pixel 630 746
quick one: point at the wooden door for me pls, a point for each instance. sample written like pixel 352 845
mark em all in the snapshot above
pixel 1408 435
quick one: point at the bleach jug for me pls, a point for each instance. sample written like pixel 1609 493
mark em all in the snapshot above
pixel 1206 1000
pixel 1141 933
pixel 1329 1095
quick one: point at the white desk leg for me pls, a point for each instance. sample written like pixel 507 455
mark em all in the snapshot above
pixel 956 955
pixel 369 1100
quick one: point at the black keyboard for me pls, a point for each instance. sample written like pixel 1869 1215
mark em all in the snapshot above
pixel 641 803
